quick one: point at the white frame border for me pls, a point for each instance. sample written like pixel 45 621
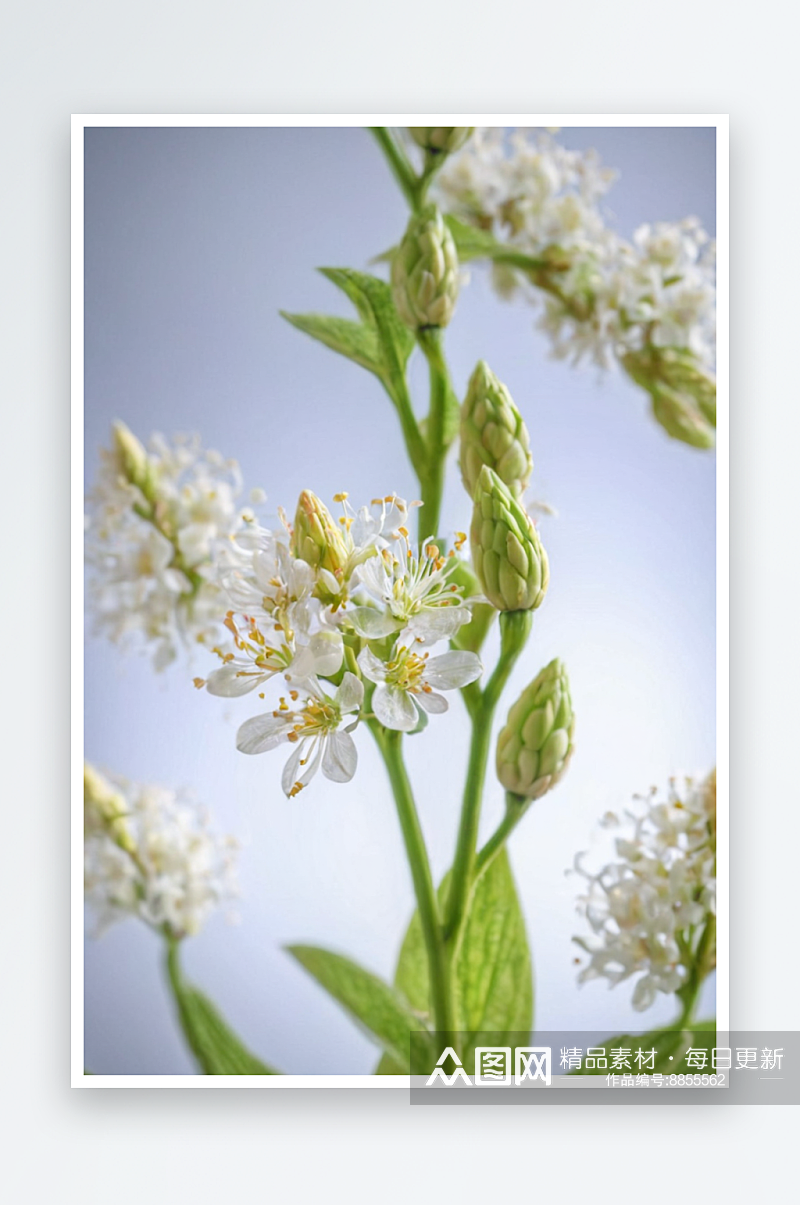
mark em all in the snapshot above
pixel 79 123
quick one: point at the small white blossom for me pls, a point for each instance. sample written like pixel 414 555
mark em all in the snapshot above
pixel 409 682
pixel 600 295
pixel 149 853
pixel 415 594
pixel 153 532
pixel 649 910
pixel 314 729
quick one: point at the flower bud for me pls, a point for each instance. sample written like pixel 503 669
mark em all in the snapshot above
pixel 316 538
pixel 440 140
pixel 679 418
pixel 132 459
pixel 509 559
pixel 425 272
pixel 681 372
pixel 534 747
pixel 684 397
pixel 493 433
pixel 105 808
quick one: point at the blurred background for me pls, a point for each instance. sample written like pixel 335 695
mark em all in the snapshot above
pixel 194 239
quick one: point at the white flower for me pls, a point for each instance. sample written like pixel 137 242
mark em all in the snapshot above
pixel 418 597
pixel 409 682
pixel 600 295
pixel 258 660
pixel 649 910
pixel 315 731
pixel 156 521
pixel 152 856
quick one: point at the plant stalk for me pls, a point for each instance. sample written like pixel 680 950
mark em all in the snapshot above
pixel 514 629
pixel 432 483
pixel 390 745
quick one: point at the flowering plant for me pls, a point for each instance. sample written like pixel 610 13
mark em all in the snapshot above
pixel 344 621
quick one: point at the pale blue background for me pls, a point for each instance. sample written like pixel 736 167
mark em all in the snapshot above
pixel 194 239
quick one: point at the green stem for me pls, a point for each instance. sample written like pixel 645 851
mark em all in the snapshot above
pixel 174 974
pixel 516 808
pixel 412 436
pixel 689 994
pixel 400 166
pixel 514 629
pixel 390 745
pixel 432 484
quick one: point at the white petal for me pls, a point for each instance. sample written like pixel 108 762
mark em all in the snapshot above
pixel 290 770
pixel 371 667
pixel 394 708
pixel 231 681
pixel 439 623
pixel 452 670
pixel 340 759
pixel 322 655
pixel 350 694
pixel 431 702
pixel 371 624
pixel 262 733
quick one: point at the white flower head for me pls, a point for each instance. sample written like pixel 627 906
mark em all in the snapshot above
pixel 409 683
pixel 314 729
pixel 415 593
pixel 648 910
pixel 154 858
pixel 599 295
pixel 156 521
pixel 258 659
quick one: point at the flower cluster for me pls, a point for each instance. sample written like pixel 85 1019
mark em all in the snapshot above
pixel 156 520
pixel 652 911
pixel 602 296
pixel 324 606
pixel 148 853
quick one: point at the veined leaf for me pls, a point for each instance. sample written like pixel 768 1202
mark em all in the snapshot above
pixel 670 1044
pixel 213 1043
pixel 374 1004
pixel 351 339
pixel 493 974
pixel 372 298
pixel 380 343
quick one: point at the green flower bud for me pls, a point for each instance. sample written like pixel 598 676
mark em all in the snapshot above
pixel 470 636
pixel 425 272
pixel 684 397
pixel 316 537
pixel 132 459
pixel 681 372
pixel 440 140
pixel 105 808
pixel 535 746
pixel 679 418
pixel 493 433
pixel 509 559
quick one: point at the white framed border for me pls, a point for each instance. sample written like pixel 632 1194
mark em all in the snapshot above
pixel 79 123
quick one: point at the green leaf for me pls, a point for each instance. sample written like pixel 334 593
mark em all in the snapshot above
pixel 493 973
pixel 351 339
pixel 372 298
pixel 670 1044
pixel 373 1003
pixel 213 1043
pixel 380 343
